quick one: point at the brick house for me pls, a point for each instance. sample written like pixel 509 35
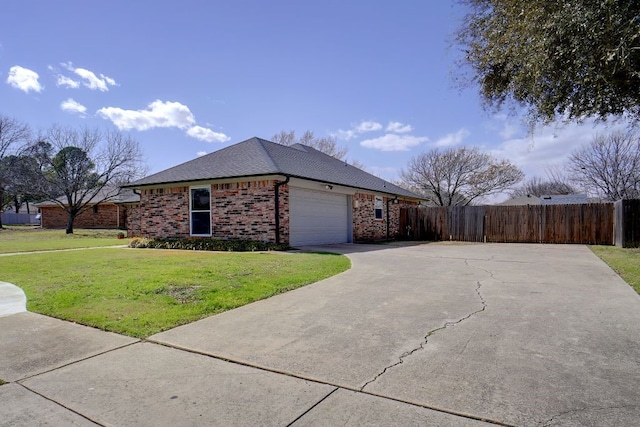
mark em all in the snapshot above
pixel 110 210
pixel 260 190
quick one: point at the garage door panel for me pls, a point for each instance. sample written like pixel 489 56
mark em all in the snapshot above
pixel 317 217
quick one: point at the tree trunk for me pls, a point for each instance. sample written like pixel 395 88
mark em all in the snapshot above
pixel 69 229
pixel 16 204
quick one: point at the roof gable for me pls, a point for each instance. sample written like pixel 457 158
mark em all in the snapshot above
pixel 257 156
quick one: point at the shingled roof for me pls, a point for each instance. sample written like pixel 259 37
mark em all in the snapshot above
pixel 108 194
pixel 256 157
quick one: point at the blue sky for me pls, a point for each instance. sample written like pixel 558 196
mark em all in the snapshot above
pixel 191 77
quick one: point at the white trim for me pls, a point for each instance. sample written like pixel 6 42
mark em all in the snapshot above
pixel 191 211
pixel 376 208
pixel 321 186
pixel 205 182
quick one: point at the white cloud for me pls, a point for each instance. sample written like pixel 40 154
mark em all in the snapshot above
pixel 393 142
pixel 204 134
pixel 356 129
pixel 506 126
pixel 368 126
pixel 346 134
pixel 73 106
pixel 89 78
pixel 549 145
pixel 24 79
pixel 397 127
pixel 201 153
pixel 159 114
pixel 94 82
pixel 509 130
pixel 452 138
pixel 67 82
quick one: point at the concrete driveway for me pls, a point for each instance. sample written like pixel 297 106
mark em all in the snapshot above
pixel 437 334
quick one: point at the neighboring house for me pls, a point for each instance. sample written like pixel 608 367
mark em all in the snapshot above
pixel 260 190
pixel 109 213
pixel 564 199
pixel 521 201
pixel 554 199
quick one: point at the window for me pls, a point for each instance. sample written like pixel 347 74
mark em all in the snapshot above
pixel 200 203
pixel 378 207
pixel 95 209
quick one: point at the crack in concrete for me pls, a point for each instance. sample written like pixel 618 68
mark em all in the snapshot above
pixel 431 332
pixel 489 272
pixel 549 422
pixel 68 408
pixel 73 362
pixel 312 407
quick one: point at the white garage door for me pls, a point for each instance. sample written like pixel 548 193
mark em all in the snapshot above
pixel 317 217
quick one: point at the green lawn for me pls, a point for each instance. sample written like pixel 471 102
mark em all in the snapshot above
pixel 140 292
pixel 625 262
pixel 29 239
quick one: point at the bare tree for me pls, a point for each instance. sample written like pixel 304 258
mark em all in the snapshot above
pixel 539 187
pixel 609 166
pixel 459 176
pixel 78 169
pixel 12 135
pixel 327 144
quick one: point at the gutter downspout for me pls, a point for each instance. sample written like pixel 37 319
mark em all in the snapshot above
pixel 277 194
pixel 395 201
pixel 137 193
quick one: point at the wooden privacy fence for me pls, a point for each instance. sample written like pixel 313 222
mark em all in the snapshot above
pixel 586 223
pixel 627 223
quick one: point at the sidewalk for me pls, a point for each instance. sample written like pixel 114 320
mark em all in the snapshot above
pixel 61 250
pixel 12 299
pixel 60 373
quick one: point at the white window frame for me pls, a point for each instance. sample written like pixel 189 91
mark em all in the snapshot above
pixel 191 210
pixel 378 205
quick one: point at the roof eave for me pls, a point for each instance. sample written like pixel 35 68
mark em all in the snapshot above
pixel 165 183
pixel 186 181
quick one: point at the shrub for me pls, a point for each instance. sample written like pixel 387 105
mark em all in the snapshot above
pixel 207 245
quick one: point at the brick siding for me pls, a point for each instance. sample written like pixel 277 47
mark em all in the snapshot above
pixel 245 210
pixel 239 210
pixel 133 220
pixel 366 227
pixel 164 212
pixel 105 217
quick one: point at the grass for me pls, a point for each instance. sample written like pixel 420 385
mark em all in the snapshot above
pixel 625 262
pixel 143 292
pixel 29 239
